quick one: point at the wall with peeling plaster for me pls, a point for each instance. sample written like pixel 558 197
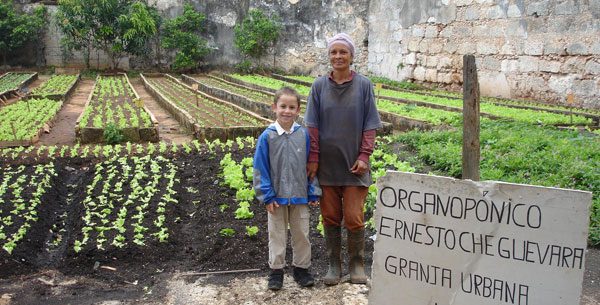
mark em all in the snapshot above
pixel 524 48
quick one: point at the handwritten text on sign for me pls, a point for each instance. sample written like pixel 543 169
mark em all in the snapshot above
pixel 447 241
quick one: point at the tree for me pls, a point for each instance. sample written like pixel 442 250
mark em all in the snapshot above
pixel 117 27
pixel 182 34
pixel 16 29
pixel 257 34
pixel 73 22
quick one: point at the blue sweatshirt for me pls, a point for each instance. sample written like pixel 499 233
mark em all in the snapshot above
pixel 280 167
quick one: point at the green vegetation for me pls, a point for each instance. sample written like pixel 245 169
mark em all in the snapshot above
pixel 520 153
pixel 23 120
pixel 117 27
pixel 181 34
pixel 56 85
pixel 17 29
pixel 429 115
pixel 271 83
pixel 257 33
pixel 395 84
pixel 11 81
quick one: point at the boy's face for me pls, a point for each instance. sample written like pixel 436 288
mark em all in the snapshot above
pixel 286 110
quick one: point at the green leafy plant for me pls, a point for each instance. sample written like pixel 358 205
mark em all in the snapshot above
pixel 227 232
pixel 112 134
pixel 251 231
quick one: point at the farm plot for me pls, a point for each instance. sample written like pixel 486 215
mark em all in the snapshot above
pixel 522 115
pixel 410 116
pixel 12 81
pixel 207 117
pixel 126 203
pixel 22 202
pixel 58 87
pixel 267 83
pixel 22 122
pixel 257 101
pixel 114 105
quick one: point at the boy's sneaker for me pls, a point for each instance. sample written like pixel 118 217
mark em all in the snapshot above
pixel 303 277
pixel 276 279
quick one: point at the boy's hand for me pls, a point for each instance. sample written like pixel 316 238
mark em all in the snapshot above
pixel 271 207
pixel 314 203
pixel 311 169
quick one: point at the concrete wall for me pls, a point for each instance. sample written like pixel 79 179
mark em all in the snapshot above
pixel 539 49
pixel 524 48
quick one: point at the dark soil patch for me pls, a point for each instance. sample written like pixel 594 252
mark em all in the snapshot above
pixel 194 244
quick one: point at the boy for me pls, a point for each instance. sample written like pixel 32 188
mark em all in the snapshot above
pixel 281 183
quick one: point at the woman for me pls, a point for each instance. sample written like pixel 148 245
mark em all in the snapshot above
pixel 342 118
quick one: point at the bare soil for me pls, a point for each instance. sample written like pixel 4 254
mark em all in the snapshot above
pixel 170 273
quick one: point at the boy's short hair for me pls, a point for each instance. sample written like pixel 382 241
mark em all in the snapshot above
pixel 286 91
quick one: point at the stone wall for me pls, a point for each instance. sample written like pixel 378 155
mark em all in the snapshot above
pixel 541 49
pixel 524 48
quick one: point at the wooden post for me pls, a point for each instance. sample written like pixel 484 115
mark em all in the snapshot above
pixel 470 150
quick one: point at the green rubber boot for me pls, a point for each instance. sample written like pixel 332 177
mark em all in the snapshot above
pixel 356 254
pixel 333 243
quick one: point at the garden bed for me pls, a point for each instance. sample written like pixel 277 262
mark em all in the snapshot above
pixel 22 123
pixel 254 100
pixel 113 103
pixel 58 87
pixel 206 116
pixel 12 82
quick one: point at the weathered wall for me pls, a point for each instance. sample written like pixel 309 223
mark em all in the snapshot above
pixel 524 48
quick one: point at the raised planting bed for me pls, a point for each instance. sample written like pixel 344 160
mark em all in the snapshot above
pixel 21 123
pixel 265 83
pixel 207 117
pixel 254 100
pixel 58 87
pixel 487 110
pixel 114 104
pixel 410 116
pixel 295 79
pixel 11 82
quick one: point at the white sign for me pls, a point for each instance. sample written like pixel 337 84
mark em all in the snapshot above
pixel 446 241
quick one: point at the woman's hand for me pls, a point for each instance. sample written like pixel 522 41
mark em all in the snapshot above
pixel 311 169
pixel 359 168
pixel 314 203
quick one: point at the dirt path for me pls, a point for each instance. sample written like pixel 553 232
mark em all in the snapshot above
pixel 63 130
pixel 169 129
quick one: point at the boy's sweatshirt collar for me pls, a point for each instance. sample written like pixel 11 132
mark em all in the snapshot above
pixel 280 129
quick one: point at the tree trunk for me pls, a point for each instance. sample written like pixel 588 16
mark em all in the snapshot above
pixel 471 151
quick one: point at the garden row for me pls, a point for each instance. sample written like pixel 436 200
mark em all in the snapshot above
pixel 206 116
pixel 420 105
pixel 12 82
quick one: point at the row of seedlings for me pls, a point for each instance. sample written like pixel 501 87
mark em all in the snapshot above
pixel 113 105
pixel 258 101
pixel 401 117
pixel 11 82
pixel 22 122
pixel 59 87
pixel 207 117
pixel 126 203
pixel 393 93
pixel 489 110
pixel 22 203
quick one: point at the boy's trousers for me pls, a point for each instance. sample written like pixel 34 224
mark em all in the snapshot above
pixel 297 216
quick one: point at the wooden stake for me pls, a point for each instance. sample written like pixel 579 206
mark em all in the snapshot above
pixel 14 130
pixel 470 150
pixel 218 272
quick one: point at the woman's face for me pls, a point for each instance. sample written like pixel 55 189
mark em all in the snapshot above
pixel 340 56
